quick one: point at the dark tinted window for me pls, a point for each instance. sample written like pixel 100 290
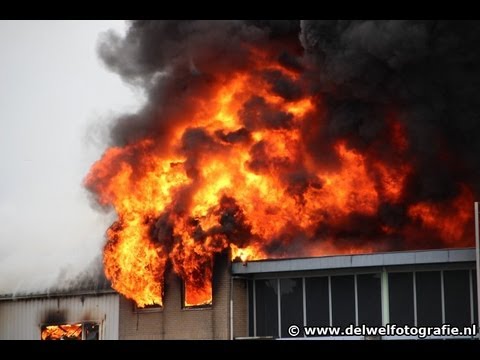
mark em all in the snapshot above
pixel 429 298
pixel 343 300
pixel 400 292
pixel 475 297
pixel 369 299
pixel 457 297
pixel 250 308
pixel 91 331
pixel 266 307
pixel 316 293
pixel 291 301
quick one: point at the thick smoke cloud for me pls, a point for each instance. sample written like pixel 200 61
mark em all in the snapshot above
pixel 429 71
pixel 174 61
pixel 424 74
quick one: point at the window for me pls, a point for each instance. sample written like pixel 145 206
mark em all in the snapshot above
pixel 457 303
pixel 78 331
pixel 250 290
pixel 317 301
pixel 91 331
pixel 429 298
pixel 422 298
pixel 195 296
pixel 369 299
pixel 266 304
pixel 401 301
pixel 343 300
pixel 474 297
pixel 146 308
pixel 291 300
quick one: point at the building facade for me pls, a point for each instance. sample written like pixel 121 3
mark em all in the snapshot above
pixel 262 299
pixel 173 320
pixel 419 288
pixel 91 315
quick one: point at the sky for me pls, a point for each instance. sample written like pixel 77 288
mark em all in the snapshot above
pixel 56 100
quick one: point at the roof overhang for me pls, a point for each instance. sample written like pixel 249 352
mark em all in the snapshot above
pixel 420 257
pixel 61 294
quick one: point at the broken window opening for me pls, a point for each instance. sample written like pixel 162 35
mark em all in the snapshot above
pixel 77 331
pixel 147 308
pixel 194 297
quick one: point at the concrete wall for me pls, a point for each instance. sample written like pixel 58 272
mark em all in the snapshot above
pixel 22 319
pixel 174 322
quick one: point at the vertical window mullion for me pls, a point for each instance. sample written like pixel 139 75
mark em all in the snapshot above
pixel 385 298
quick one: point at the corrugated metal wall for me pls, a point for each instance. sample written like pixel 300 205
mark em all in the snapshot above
pixel 22 319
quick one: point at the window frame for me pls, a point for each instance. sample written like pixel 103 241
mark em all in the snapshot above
pixel 384 289
pixel 185 307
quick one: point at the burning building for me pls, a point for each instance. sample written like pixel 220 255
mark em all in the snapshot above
pixel 269 140
pixel 283 139
pixel 262 299
pixel 87 311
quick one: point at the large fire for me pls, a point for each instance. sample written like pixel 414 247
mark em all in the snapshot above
pixel 235 175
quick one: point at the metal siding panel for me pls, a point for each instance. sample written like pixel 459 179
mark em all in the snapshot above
pixel 430 257
pixel 461 255
pixel 332 262
pixel 398 258
pixel 368 260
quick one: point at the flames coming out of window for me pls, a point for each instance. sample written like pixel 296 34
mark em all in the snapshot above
pixel 78 331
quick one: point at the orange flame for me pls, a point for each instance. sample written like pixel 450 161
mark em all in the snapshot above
pixel 62 332
pixel 174 209
pixel 449 221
